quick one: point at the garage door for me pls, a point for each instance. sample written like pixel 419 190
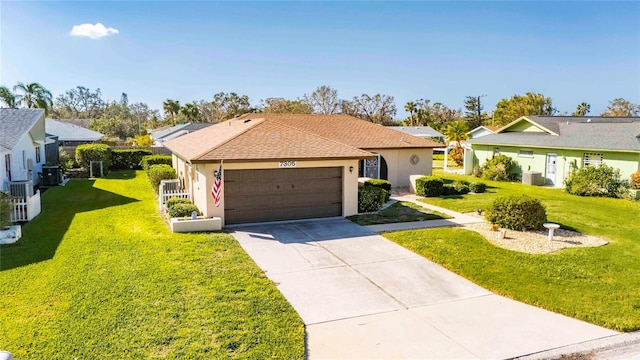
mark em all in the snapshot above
pixel 282 194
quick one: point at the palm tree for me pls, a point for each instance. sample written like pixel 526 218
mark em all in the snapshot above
pixel 191 112
pixel 457 132
pixel 582 109
pixel 7 97
pixel 34 95
pixel 410 107
pixel 171 107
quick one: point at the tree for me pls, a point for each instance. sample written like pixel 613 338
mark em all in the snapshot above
pixel 457 132
pixel 33 95
pixel 411 108
pixel 79 103
pixel 324 100
pixel 436 116
pixel 191 113
pixel 511 109
pixel 226 106
pixel 7 97
pixel 283 106
pixel 582 109
pixel 473 111
pixel 171 107
pixel 621 107
pixel 379 109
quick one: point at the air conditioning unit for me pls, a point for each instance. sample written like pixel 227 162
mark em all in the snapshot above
pixel 532 178
pixel 51 175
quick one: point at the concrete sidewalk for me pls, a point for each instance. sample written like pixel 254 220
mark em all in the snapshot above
pixel 362 296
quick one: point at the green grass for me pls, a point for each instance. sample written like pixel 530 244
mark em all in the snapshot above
pixel 402 211
pixel 599 285
pixel 98 275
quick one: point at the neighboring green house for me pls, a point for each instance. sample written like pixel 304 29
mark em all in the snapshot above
pixel 552 145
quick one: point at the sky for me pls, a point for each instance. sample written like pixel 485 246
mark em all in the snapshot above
pixel 572 52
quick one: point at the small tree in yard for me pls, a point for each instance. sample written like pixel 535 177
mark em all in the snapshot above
pixel 599 180
pixel 517 213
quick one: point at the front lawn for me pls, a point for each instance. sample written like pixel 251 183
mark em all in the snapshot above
pixel 98 275
pixel 403 211
pixel 598 285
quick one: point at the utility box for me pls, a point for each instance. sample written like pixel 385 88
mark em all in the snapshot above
pixel 51 175
pixel 532 178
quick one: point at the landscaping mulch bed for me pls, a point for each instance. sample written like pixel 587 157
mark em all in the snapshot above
pixel 535 242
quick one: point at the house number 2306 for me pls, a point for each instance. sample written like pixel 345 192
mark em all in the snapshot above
pixel 287 164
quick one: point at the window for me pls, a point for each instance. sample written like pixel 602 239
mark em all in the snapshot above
pixel 7 166
pixel 526 153
pixel 592 159
pixel 38 155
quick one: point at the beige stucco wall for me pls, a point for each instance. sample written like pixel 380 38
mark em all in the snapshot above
pixel 400 167
pixel 202 179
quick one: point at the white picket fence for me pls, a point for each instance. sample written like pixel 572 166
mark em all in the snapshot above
pixel 168 189
pixel 25 209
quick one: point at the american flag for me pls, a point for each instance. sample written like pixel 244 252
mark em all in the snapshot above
pixel 215 189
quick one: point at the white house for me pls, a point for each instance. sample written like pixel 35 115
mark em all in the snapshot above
pixel 22 140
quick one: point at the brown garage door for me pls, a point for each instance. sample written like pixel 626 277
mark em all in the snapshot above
pixel 282 194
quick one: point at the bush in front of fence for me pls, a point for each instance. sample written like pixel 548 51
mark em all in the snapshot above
pixel 158 173
pixel 128 158
pixel 5 210
pixel 149 160
pixel 183 210
pixel 93 152
pixel 176 200
pixel 382 184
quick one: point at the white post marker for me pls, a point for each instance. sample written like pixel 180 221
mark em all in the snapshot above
pixel 552 227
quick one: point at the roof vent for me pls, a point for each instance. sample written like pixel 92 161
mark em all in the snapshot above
pixel 246 121
pixel 588 120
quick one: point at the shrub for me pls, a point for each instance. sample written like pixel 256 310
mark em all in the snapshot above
pixel 93 152
pixel 500 168
pixel 128 158
pixel 5 210
pixel 66 160
pixel 478 187
pixel 457 155
pixel 461 187
pixel 149 160
pixel 371 198
pixel 160 172
pixel 519 212
pixel 182 210
pixel 635 180
pixel 477 171
pixel 382 184
pixel 176 200
pixel 429 186
pixel 449 189
pixel 600 180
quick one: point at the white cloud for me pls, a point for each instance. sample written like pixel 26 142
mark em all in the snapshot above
pixel 92 31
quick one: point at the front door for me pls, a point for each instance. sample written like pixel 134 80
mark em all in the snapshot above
pixel 551 169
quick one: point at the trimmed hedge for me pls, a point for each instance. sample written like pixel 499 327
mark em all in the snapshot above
pixel 520 212
pixel 149 160
pixel 382 184
pixel 182 210
pixel 5 210
pixel 128 158
pixel 93 152
pixel 478 187
pixel 160 172
pixel 371 198
pixel 429 186
pixel 176 200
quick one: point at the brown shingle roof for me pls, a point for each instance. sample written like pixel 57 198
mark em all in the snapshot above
pixel 258 139
pixel 348 130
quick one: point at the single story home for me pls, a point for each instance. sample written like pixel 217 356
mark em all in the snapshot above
pixel 22 140
pixel 482 130
pixel 425 132
pixel 70 134
pixel 294 166
pixel 553 145
pixel 163 134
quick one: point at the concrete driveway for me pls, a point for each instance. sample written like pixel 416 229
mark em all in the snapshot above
pixel 362 296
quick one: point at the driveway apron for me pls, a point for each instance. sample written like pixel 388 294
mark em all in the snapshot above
pixel 362 296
